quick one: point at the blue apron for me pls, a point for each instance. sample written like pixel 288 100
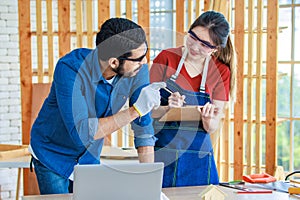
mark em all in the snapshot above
pixel 185 147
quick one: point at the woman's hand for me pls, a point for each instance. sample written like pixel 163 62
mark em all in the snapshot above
pixel 208 111
pixel 176 100
pixel 211 114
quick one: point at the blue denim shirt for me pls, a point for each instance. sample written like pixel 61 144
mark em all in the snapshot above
pixel 62 135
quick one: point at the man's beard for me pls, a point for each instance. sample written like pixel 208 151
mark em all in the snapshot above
pixel 120 71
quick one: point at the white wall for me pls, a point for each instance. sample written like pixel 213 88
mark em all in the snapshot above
pixel 10 98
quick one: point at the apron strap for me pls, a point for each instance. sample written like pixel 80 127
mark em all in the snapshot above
pixel 204 74
pixel 179 67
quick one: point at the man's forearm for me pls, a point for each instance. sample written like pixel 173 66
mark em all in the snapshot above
pixel 146 154
pixel 108 125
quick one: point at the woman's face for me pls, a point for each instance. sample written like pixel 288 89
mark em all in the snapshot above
pixel 199 42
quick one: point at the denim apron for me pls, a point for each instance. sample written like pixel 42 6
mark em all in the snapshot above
pixel 185 147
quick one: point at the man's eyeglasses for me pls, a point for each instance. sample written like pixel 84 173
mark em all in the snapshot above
pixel 139 59
pixel 205 43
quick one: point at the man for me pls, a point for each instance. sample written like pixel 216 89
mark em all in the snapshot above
pixel 89 88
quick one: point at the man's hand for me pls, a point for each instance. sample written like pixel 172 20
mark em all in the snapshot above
pixel 149 98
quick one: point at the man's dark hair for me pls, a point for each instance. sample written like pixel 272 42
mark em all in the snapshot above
pixel 117 37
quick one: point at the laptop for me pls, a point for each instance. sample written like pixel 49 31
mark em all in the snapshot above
pixel 118 181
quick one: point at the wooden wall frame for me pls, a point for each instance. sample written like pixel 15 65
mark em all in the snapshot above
pixel 64 35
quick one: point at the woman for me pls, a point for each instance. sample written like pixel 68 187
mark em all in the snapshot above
pixel 200 73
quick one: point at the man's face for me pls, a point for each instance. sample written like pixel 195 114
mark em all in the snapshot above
pixel 133 64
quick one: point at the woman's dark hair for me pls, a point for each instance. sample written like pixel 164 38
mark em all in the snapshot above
pixel 219 30
pixel 117 37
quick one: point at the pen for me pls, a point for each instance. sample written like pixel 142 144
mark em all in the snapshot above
pixel 165 88
pixel 169 91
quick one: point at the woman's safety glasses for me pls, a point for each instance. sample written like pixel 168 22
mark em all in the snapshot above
pixel 203 42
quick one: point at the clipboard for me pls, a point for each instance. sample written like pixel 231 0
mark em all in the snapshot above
pixel 186 113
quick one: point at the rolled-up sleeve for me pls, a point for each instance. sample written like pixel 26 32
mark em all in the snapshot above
pixel 142 126
pixel 143 135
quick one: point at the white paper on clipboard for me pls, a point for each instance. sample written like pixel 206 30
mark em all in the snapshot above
pixel 186 113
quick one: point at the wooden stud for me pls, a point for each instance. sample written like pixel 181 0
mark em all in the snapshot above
pixel 131 136
pixel 258 127
pixel 129 9
pixel 78 7
pixel 249 144
pixel 26 78
pixel 39 39
pixel 226 143
pixel 239 104
pixel 120 135
pixel 198 8
pixel 50 40
pixel 179 22
pixel 224 7
pixel 144 19
pixel 25 66
pixel 207 5
pixel 64 27
pixel 217 5
pixel 103 11
pixel 190 12
pixel 271 95
pixel 103 15
pixel 118 8
pixel 89 13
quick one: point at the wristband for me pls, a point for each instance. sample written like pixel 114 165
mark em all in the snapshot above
pixel 137 110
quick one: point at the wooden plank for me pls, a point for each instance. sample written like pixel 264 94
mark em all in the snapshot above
pixel 120 138
pixel 25 66
pixel 39 39
pixel 224 7
pixel 271 94
pixel 64 27
pixel 217 5
pixel 258 127
pixel 249 146
pixel 144 19
pixel 239 104
pixel 190 12
pixel 179 22
pixel 216 139
pixel 198 8
pixel 103 15
pixel 8 151
pixel 50 40
pixel 129 9
pixel 144 14
pixel 227 148
pixel 26 79
pixel 131 137
pixel 89 22
pixel 207 5
pixel 103 11
pixel 78 7
pixel 118 8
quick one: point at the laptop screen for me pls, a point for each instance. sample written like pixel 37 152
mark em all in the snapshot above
pixel 119 181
